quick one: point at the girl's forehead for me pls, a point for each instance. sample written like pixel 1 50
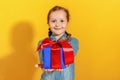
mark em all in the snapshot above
pixel 58 13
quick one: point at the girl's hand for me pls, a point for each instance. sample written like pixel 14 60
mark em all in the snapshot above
pixel 48 70
pixel 38 65
pixel 59 69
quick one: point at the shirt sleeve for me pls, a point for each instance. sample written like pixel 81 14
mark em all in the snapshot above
pixel 75 45
pixel 40 53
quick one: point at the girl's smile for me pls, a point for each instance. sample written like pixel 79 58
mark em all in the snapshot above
pixel 57 28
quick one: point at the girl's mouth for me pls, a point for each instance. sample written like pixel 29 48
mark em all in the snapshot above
pixel 57 28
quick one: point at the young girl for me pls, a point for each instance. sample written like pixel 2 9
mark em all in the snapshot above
pixel 58 18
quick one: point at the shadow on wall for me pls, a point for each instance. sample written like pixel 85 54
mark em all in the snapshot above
pixel 20 64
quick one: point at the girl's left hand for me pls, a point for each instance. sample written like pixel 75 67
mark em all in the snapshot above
pixel 59 69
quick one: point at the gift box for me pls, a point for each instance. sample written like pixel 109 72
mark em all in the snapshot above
pixel 56 55
pixel 53 63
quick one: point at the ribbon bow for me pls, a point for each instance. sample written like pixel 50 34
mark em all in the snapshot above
pixel 55 52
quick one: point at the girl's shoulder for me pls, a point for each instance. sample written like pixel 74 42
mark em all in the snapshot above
pixel 73 39
pixel 40 41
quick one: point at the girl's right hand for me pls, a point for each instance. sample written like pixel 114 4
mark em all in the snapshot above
pixel 48 70
pixel 59 70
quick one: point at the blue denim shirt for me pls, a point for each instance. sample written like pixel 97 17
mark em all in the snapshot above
pixel 68 72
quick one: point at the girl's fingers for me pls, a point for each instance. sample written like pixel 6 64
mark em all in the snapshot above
pixel 36 65
pixel 45 69
pixel 59 69
pixel 67 65
pixel 48 70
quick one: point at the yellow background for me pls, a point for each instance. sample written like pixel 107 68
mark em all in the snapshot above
pixel 96 23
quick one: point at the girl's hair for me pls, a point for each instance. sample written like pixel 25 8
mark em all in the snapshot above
pixel 57 8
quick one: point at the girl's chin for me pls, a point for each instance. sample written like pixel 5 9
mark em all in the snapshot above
pixel 57 34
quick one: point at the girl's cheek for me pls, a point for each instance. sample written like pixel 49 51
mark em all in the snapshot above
pixel 51 25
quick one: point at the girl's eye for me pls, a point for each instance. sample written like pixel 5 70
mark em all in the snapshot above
pixel 53 21
pixel 61 20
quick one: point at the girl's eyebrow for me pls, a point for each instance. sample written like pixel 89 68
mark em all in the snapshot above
pixel 52 18
pixel 55 18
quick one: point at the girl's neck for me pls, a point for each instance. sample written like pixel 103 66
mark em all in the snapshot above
pixel 57 37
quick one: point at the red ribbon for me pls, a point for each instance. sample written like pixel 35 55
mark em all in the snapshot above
pixel 55 52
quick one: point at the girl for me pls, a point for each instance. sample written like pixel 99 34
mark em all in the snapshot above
pixel 57 20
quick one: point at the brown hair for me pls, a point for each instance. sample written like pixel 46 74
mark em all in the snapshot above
pixel 56 8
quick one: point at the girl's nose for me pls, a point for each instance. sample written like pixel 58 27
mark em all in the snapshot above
pixel 57 24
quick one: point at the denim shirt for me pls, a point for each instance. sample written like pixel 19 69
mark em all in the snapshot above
pixel 68 72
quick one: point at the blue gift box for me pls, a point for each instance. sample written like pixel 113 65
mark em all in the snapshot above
pixel 47 57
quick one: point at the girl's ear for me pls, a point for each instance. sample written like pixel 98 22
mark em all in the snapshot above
pixel 48 25
pixel 67 24
pixel 47 22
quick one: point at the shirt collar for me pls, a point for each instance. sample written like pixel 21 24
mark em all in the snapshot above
pixel 52 37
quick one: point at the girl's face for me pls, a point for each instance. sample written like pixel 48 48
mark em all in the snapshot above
pixel 58 22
